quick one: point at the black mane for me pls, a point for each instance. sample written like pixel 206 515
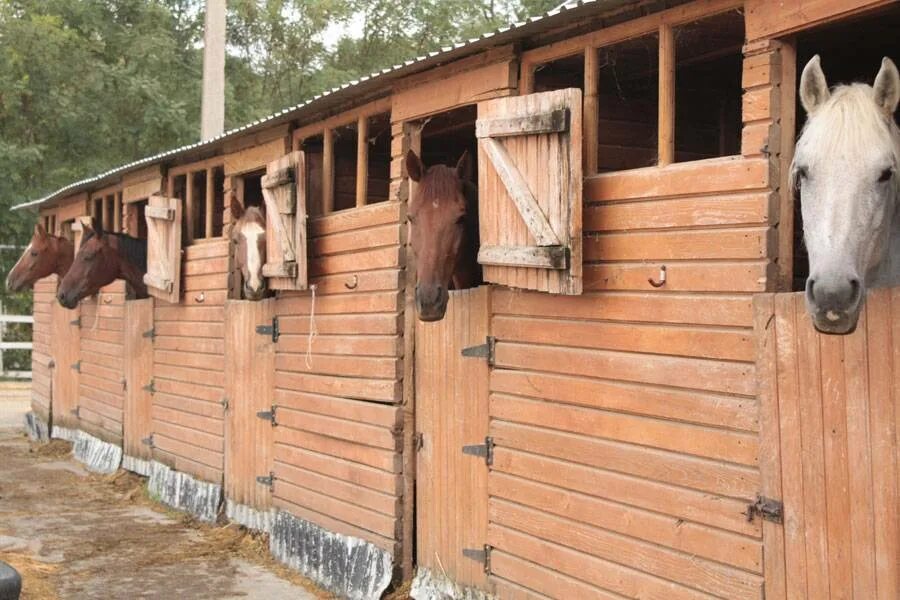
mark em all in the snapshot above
pixel 132 249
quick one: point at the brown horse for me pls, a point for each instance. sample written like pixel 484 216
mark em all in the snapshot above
pixel 443 218
pixel 102 258
pixel 248 234
pixel 46 254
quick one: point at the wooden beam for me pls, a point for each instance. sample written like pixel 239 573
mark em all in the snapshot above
pixel 106 203
pixel 362 160
pixel 554 121
pixel 666 95
pixel 787 131
pixel 591 114
pixel 537 257
pixel 117 213
pixel 210 200
pixel 328 172
pixel 159 212
pixel 188 206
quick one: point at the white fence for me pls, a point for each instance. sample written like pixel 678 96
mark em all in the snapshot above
pixel 4 320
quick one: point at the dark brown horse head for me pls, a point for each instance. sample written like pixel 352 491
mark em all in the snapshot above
pixel 443 232
pixel 101 259
pixel 46 254
pixel 248 234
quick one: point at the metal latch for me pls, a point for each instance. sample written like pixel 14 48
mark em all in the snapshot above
pixel 150 387
pixel 485 350
pixel 77 366
pixel 224 403
pixel 270 329
pixel 485 450
pixel 267 480
pixel 76 411
pixel 768 509
pixel 148 441
pixel 269 415
pixel 150 333
pixel 420 441
pixel 76 322
pixel 482 555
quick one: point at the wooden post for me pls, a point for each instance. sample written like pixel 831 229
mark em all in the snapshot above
pixel 189 206
pixel 362 161
pixel 526 80
pixel 328 172
pixel 666 95
pixel 210 200
pixel 591 113
pixel 787 132
pixel 105 217
pixel 117 213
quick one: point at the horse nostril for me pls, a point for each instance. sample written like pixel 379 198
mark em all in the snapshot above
pixel 855 289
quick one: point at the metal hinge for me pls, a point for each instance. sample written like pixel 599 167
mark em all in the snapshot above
pixel 269 415
pixel 150 333
pixel 77 366
pixel 482 555
pixel 420 441
pixel 485 450
pixel 768 509
pixel 124 385
pixel 270 329
pixel 51 364
pixel 485 350
pixel 76 411
pixel 76 322
pixel 150 387
pixel 148 441
pixel 267 480
pixel 224 403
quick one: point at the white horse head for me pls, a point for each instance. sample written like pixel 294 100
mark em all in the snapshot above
pixel 846 170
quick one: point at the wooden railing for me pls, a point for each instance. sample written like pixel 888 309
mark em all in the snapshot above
pixel 4 345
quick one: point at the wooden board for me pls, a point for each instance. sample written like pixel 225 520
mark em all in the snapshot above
pixel 249 388
pixel 830 407
pixel 452 412
pixel 65 349
pixel 138 358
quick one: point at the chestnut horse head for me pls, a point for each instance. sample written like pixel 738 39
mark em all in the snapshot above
pixel 443 218
pixel 248 234
pixel 102 258
pixel 46 254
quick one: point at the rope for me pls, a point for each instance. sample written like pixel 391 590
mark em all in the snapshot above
pixel 312 327
pixel 97 312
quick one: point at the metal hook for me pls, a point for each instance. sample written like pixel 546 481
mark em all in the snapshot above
pixel 200 297
pixel 662 278
pixel 351 283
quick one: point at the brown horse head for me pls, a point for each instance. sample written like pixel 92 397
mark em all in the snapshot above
pixel 46 254
pixel 443 217
pixel 101 259
pixel 248 234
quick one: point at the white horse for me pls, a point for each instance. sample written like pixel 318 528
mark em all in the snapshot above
pixel 846 170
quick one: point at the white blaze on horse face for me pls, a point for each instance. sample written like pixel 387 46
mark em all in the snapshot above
pixel 252 233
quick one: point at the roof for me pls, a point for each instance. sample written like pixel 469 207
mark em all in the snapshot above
pixel 567 12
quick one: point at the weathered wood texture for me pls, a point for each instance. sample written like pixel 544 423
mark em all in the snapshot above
pixel 766 19
pixel 831 407
pixel 42 334
pixel 249 388
pixel 625 421
pixel 337 392
pixel 101 380
pixel 452 412
pixel 138 366
pixel 188 367
pixel 163 277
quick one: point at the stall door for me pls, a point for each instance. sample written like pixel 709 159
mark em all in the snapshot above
pixel 249 391
pixel 452 422
pixel 138 357
pixel 65 350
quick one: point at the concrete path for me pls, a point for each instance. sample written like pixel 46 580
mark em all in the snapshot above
pixel 15 401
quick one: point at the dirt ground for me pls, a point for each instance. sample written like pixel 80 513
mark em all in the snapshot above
pixel 76 535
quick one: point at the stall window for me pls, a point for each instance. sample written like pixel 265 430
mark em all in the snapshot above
pixel 378 149
pixel 345 148
pixel 203 193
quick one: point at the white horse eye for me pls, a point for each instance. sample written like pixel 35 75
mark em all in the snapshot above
pixel 886 175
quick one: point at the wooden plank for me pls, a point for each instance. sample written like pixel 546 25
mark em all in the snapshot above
pixel 591 114
pixel 362 161
pixel 695 212
pixel 385 213
pixel 681 276
pixel 769 21
pixel 666 142
pixel 538 257
pixel 744 243
pixel 65 349
pixel 164 251
pixel 289 456
pixel 328 171
pixel 554 121
pixel 787 131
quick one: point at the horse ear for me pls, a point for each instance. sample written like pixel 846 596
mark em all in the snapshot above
pixel 237 211
pixel 813 87
pixel 463 167
pixel 39 231
pixel 887 86
pixel 88 230
pixel 414 166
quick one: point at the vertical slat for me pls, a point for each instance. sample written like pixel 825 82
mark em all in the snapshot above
pixel 65 348
pixel 526 79
pixel 138 357
pixel 189 207
pixel 362 160
pixel 328 172
pixel 117 212
pixel 884 389
pixel 591 111
pixel 210 201
pixel 666 95
pixel 788 133
pixel 770 438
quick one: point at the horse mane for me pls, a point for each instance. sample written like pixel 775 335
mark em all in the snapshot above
pixel 439 181
pixel 849 122
pixel 254 214
pixel 133 250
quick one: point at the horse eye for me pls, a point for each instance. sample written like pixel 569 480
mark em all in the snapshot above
pixel 461 220
pixel 886 175
pixel 33 253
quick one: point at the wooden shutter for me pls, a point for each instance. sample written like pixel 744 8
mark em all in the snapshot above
pixel 529 190
pixel 163 277
pixel 284 191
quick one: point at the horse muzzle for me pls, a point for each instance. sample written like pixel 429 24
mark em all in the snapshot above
pixel 834 304
pixel 254 294
pixel 69 301
pixel 431 302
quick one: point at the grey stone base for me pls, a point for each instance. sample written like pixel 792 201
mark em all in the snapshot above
pixel 346 566
pixel 183 492
pixel 37 429
pixel 63 433
pixel 251 518
pixel 429 585
pixel 98 456
pixel 137 465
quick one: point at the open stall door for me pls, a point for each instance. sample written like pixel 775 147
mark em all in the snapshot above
pixel 452 422
pixel 249 390
pixel 65 349
pixel 138 357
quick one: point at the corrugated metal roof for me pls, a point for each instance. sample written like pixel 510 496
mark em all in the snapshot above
pixel 345 92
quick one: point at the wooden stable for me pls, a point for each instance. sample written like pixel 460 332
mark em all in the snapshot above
pixel 633 405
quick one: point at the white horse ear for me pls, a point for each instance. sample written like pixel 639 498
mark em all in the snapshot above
pixel 887 86
pixel 813 87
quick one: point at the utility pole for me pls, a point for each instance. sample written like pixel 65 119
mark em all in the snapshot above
pixel 212 117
